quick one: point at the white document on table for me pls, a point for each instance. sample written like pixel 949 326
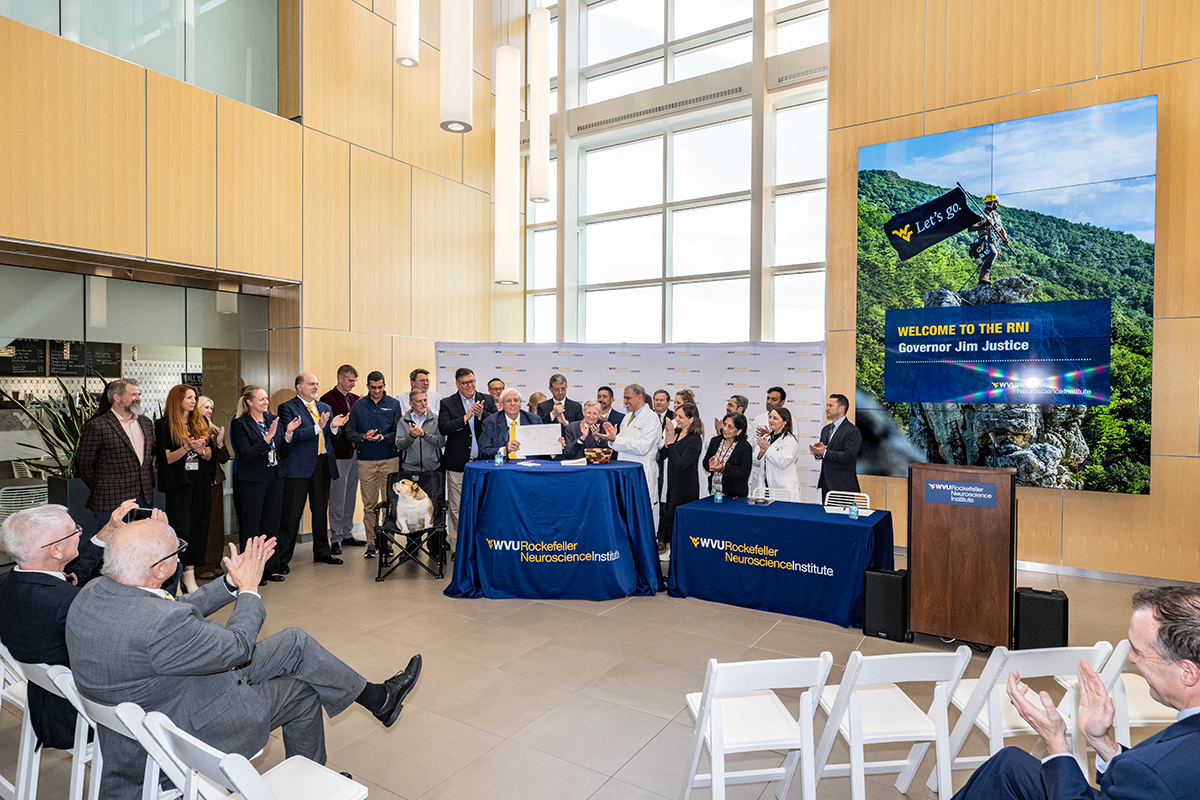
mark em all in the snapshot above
pixel 539 440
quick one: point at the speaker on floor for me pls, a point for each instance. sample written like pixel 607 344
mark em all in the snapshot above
pixel 885 604
pixel 1041 619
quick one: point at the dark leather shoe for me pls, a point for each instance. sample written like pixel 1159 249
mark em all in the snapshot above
pixel 263 582
pixel 397 687
pixel 285 570
pixel 335 549
pixel 276 578
pixel 329 560
pixel 353 543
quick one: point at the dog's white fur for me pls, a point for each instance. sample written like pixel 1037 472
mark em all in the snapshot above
pixel 414 509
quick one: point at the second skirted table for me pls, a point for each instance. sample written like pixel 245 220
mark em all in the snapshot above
pixel 793 558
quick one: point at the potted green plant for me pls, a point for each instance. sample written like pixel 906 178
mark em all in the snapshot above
pixel 60 424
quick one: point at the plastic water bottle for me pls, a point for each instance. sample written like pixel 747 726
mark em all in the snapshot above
pixel 718 495
pixel 853 509
pixel 500 457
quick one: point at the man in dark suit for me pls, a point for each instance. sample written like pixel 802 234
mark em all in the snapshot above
pixel 129 641
pixel 115 455
pixel 662 407
pixel 1164 635
pixel 838 449
pixel 498 428
pixel 558 407
pixel 311 467
pixel 460 420
pixel 604 396
pixel 36 595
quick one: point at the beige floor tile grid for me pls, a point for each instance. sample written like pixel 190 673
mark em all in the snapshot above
pixel 559 700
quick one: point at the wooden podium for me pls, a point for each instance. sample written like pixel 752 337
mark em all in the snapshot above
pixel 961 552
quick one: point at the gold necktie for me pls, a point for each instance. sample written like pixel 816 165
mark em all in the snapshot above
pixel 312 411
pixel 512 434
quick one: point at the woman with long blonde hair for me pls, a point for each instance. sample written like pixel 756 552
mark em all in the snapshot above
pixel 216 507
pixel 182 452
pixel 260 445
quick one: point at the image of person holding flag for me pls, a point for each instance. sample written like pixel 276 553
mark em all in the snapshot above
pixel 991 233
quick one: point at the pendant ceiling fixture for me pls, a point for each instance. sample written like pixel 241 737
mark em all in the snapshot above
pixel 456 43
pixel 408 32
pixel 507 189
pixel 539 105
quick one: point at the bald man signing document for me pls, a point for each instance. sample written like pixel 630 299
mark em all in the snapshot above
pixel 131 641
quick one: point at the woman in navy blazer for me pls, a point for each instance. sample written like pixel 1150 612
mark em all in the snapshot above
pixel 260 444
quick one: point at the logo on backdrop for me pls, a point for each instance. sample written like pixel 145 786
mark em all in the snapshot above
pixel 961 493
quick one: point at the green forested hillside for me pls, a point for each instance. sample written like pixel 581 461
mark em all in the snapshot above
pixel 1071 261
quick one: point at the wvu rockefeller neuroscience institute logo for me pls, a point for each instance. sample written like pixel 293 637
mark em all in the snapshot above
pixel 550 552
pixel 758 555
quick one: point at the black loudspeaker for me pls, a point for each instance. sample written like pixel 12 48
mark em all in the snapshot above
pixel 1041 619
pixel 885 604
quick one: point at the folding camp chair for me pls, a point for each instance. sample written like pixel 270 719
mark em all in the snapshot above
pixel 395 546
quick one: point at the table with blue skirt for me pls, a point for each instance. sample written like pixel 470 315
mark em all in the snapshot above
pixel 790 558
pixel 547 530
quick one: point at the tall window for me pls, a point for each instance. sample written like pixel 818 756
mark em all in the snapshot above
pixel 666 224
pixel 665 208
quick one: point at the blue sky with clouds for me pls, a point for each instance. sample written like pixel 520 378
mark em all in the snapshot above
pixel 1093 165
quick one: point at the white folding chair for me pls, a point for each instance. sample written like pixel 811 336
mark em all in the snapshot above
pixel 869 708
pixel 294 779
pixel 13 689
pixel 125 719
pixel 737 712
pixel 984 701
pixel 82 751
pixel 861 499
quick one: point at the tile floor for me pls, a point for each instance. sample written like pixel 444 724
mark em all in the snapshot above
pixel 557 700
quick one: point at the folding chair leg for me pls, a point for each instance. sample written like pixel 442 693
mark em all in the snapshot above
pixel 78 760
pixel 29 760
pixel 858 777
pixel 97 769
pixel 915 756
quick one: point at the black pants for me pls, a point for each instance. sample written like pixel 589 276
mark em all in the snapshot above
pixel 258 505
pixel 188 510
pixel 315 490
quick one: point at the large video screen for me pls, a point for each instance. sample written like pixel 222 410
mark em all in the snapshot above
pixel 1006 298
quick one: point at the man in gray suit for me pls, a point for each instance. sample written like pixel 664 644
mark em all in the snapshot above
pixel 130 641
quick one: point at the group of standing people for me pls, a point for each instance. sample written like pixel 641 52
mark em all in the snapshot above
pixel 119 449
pixel 325 452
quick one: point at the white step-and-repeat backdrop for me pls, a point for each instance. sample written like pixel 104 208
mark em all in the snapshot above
pixel 712 371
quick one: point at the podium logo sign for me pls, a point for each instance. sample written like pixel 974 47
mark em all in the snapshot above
pixel 961 493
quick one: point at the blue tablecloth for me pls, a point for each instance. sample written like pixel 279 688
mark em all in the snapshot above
pixel 553 531
pixel 791 558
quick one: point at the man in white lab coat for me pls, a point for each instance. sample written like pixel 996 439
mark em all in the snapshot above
pixel 638 439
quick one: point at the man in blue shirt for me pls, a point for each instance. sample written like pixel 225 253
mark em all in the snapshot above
pixel 372 428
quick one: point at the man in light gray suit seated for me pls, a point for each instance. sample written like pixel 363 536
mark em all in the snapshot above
pixel 130 641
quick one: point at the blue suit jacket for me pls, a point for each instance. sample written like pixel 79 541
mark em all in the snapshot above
pixel 302 457
pixel 1163 766
pixel 495 432
pixel 33 628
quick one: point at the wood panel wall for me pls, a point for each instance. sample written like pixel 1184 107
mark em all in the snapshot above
pixel 99 154
pixel 912 67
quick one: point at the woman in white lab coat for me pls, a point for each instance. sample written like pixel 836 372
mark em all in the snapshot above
pixel 777 452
